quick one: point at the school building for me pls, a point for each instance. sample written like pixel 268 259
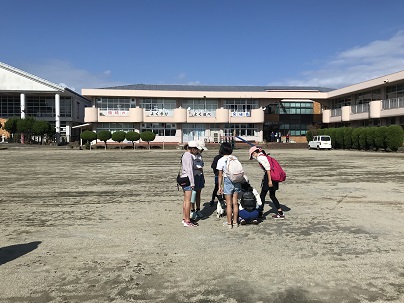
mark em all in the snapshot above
pixel 23 94
pixel 180 113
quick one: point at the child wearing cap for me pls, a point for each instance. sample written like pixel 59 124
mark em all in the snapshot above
pixel 267 184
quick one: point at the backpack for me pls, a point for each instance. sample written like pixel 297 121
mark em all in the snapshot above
pixel 235 170
pixel 277 172
pixel 248 201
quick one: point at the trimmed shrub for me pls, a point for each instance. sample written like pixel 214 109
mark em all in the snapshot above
pixel 332 133
pixel 147 136
pixel 104 136
pixel 309 135
pixel 339 137
pixel 380 137
pixel 118 136
pixel 355 138
pixel 362 138
pixel 132 136
pixel 348 137
pixel 394 137
pixel 370 136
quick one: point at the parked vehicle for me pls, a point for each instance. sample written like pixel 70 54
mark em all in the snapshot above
pixel 320 142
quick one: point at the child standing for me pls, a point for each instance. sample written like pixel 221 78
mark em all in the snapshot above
pixel 216 172
pixel 267 183
pixel 227 187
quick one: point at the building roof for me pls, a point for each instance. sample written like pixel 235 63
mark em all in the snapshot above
pixel 214 88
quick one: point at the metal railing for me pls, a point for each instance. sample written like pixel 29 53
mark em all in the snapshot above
pixel 360 108
pixel 335 112
pixel 393 103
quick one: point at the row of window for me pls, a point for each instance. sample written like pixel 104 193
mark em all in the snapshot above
pixel 169 129
pixel 36 106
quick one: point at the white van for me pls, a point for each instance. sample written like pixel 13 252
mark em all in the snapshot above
pixel 320 142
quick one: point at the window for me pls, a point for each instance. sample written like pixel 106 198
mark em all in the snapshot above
pixel 201 107
pixel 296 108
pixel 160 129
pixel 241 107
pixel 113 127
pixel 115 103
pixel 10 106
pixel 247 129
pixel 158 107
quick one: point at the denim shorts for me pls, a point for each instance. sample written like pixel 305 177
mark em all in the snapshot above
pixel 187 188
pixel 230 187
pixel 199 181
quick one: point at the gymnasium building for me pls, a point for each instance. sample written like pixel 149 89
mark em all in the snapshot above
pixel 23 94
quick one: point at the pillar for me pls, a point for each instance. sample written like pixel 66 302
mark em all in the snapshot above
pixel 57 115
pixel 22 105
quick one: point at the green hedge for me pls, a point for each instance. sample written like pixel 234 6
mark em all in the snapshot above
pixel 364 138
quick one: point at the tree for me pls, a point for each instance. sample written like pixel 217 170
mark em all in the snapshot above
pixel 104 136
pixel 118 136
pixel 40 128
pixel 24 127
pixel 147 136
pixel 87 136
pixel 11 126
pixel 132 136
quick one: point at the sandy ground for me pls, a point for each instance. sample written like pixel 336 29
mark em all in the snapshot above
pixel 105 226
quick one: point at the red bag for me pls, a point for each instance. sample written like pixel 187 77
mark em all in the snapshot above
pixel 277 172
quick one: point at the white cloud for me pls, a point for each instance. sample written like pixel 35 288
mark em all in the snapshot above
pixel 357 64
pixel 59 71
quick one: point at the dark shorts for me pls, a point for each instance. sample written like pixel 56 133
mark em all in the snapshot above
pixel 264 184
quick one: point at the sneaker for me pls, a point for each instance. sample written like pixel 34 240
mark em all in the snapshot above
pixel 243 222
pixel 189 224
pixel 193 222
pixel 255 221
pixel 212 203
pixel 193 215
pixel 230 226
pixel 278 216
pixel 199 214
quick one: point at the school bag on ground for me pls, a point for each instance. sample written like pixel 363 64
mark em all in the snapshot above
pixel 248 201
pixel 277 172
pixel 235 170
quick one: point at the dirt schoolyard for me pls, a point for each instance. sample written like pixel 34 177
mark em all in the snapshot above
pixel 105 226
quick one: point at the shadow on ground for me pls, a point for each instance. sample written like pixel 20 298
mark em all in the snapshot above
pixel 10 253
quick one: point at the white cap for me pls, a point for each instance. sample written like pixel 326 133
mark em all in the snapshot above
pixel 193 144
pixel 201 145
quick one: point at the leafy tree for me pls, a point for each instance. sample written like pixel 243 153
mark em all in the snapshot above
pixel 132 136
pixel 24 127
pixel 104 136
pixel 87 136
pixel 394 137
pixel 118 136
pixel 11 126
pixel 40 128
pixel 147 136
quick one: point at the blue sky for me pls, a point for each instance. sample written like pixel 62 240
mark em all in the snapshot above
pixel 99 43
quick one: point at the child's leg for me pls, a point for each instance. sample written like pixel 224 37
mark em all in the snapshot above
pixel 186 207
pixel 229 210
pixel 235 207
